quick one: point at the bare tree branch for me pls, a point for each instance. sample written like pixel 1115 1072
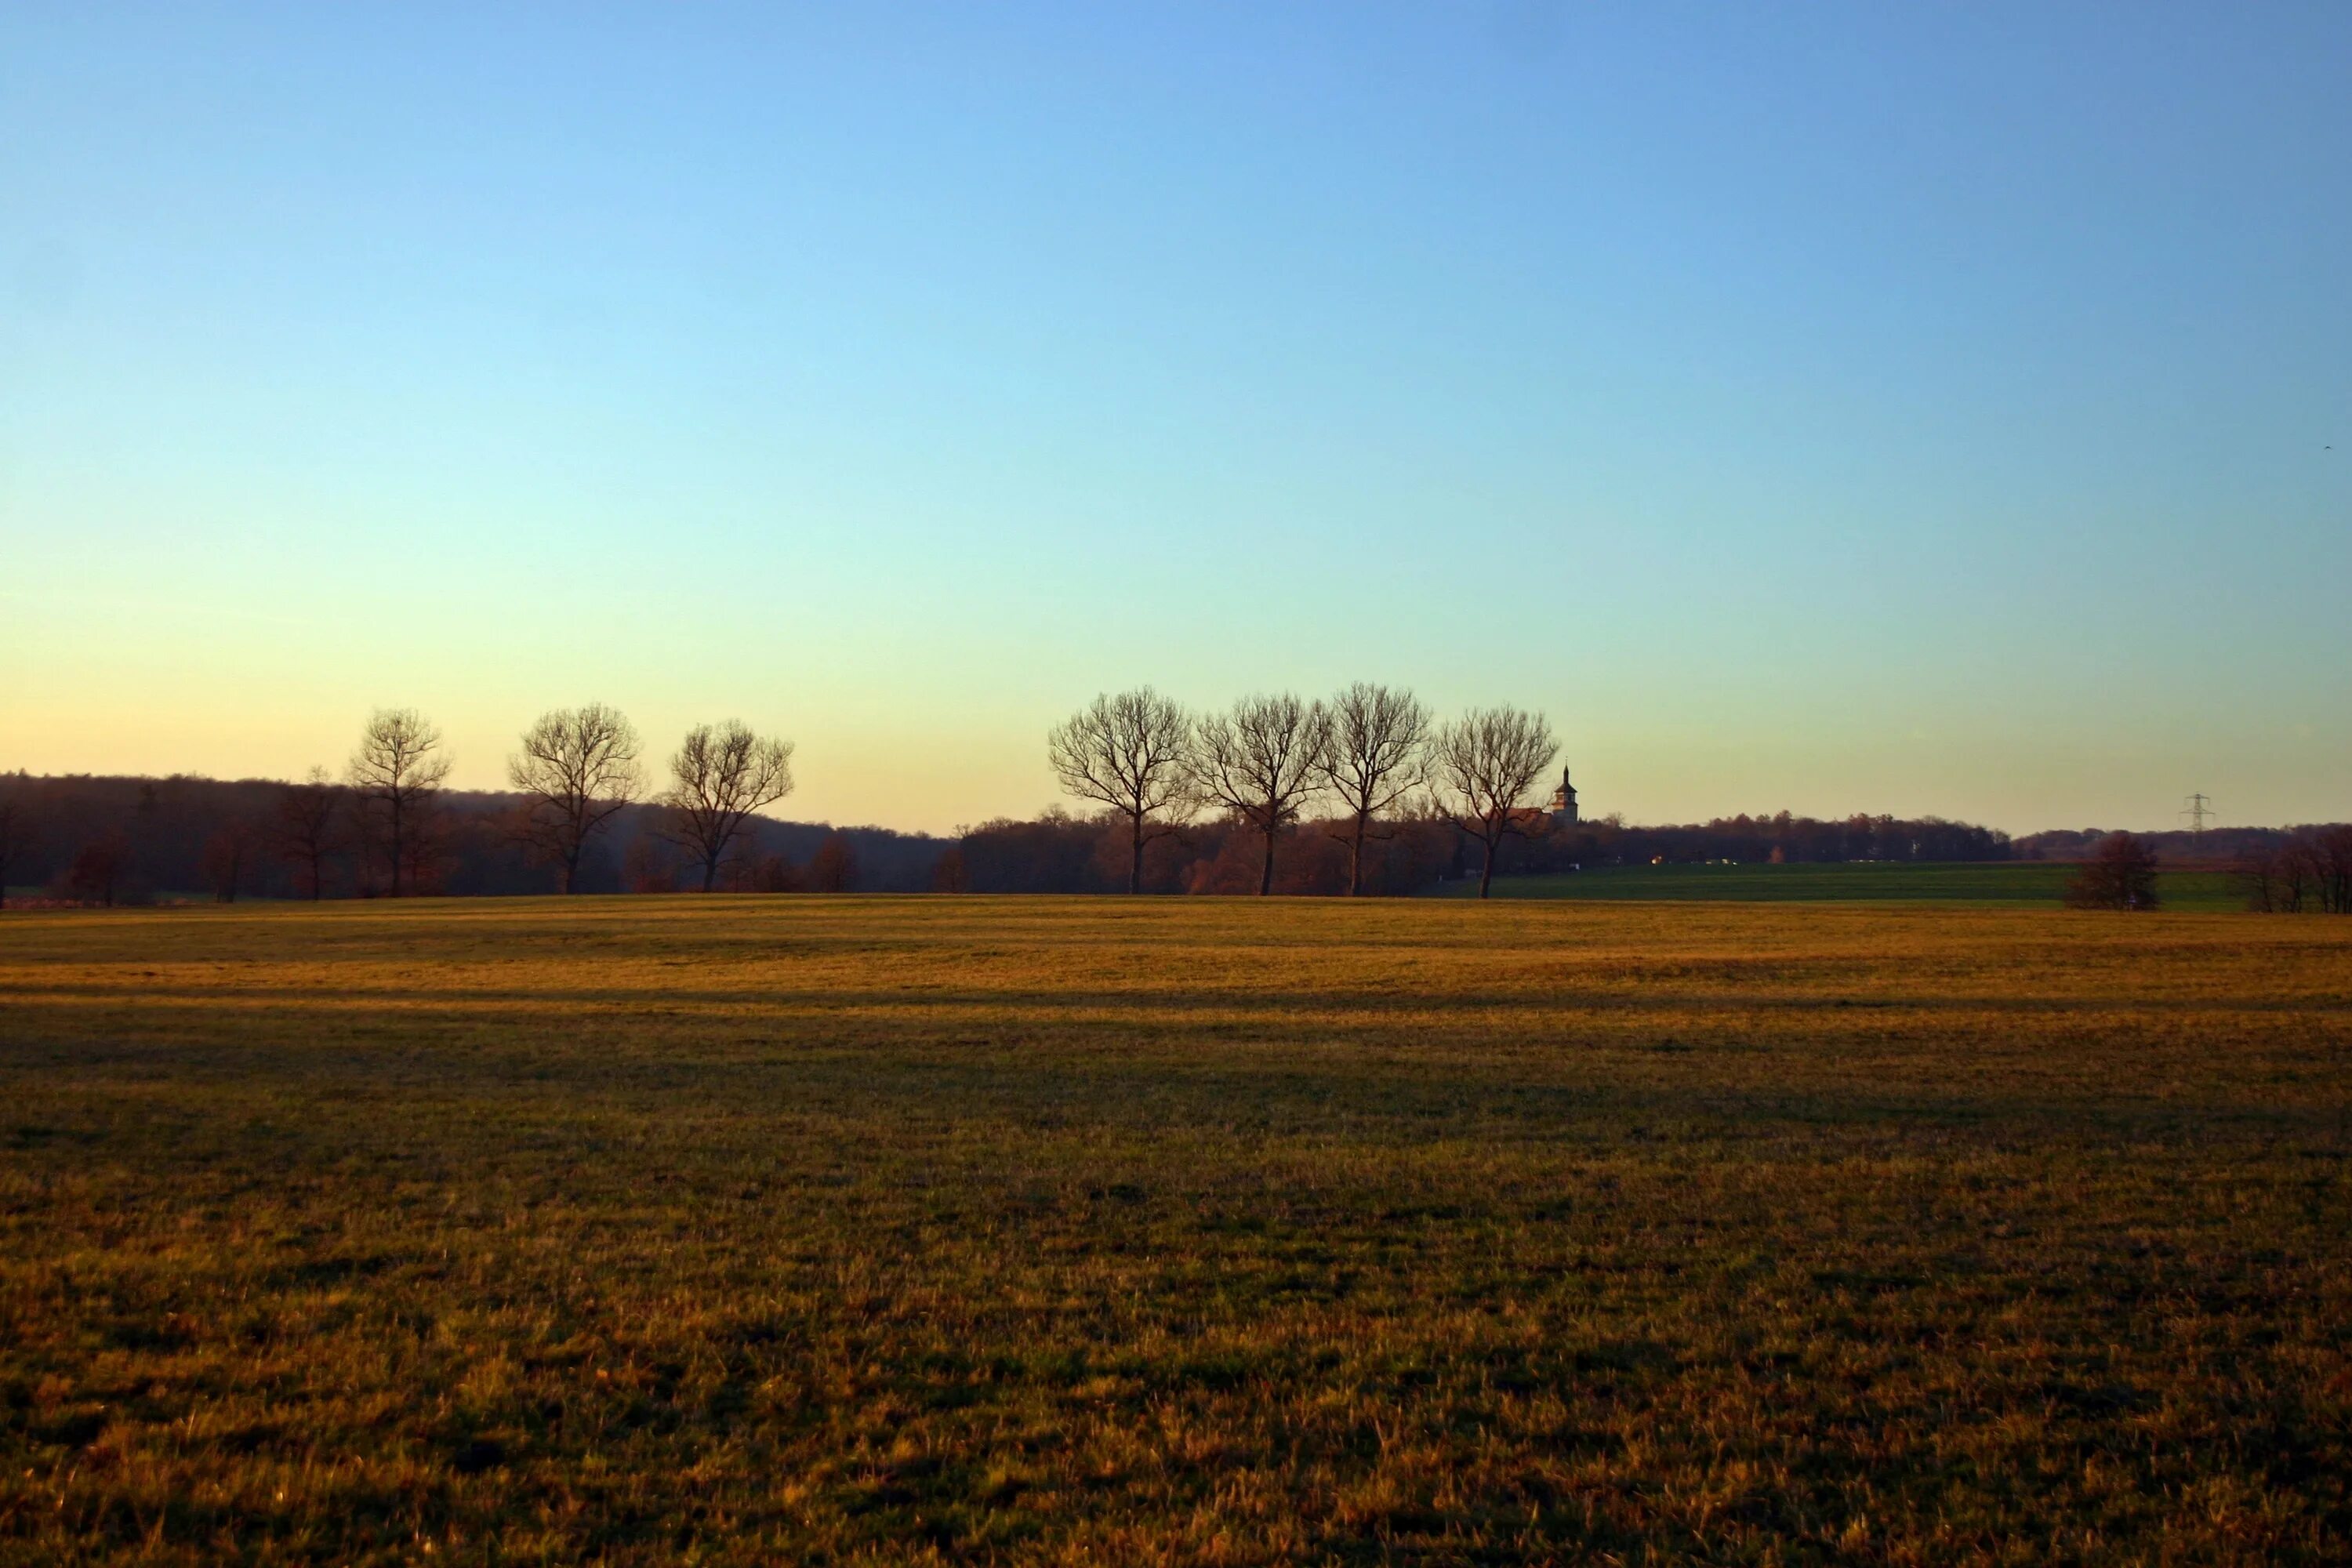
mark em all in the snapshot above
pixel 1262 760
pixel 394 777
pixel 1131 753
pixel 578 766
pixel 1482 766
pixel 722 774
pixel 1375 757
pixel 304 825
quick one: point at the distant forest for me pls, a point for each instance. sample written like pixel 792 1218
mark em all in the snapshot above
pixel 186 836
pixel 136 839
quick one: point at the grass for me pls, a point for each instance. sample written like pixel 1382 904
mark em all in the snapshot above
pixel 1965 882
pixel 845 1230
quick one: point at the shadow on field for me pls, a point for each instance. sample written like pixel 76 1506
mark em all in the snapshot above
pixel 1104 1067
pixel 814 1001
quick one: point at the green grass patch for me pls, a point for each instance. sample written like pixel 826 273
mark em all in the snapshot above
pixel 1971 882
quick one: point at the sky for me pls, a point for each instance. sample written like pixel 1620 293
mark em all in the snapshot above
pixel 1920 409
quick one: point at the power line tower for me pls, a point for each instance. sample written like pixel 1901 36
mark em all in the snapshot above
pixel 2199 807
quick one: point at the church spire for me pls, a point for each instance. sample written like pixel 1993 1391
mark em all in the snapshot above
pixel 1563 802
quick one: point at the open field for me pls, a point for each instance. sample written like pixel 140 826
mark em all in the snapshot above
pixel 2040 882
pixel 795 1229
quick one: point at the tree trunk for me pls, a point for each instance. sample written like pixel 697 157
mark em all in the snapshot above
pixel 1356 860
pixel 1135 861
pixel 709 871
pixel 1487 867
pixel 395 847
pixel 1265 867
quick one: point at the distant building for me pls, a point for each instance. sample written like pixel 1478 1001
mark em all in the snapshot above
pixel 1563 803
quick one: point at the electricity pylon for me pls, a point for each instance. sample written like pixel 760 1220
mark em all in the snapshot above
pixel 2199 808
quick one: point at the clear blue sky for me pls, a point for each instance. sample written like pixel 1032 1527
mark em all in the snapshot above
pixel 1887 407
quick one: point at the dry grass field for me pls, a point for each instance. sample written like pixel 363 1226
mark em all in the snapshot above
pixel 841 1230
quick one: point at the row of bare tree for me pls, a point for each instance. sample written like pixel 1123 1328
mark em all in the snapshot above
pixel 2311 871
pixel 575 768
pixel 1374 751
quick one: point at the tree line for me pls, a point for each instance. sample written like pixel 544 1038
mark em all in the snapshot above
pixel 388 824
pixel 1374 752
pixel 1415 849
pixel 575 769
pixel 1365 792
pixel 2294 870
pixel 1385 772
pixel 2308 870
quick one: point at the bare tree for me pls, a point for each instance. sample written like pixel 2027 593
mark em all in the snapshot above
pixel 98 871
pixel 722 774
pixel 833 867
pixel 304 828
pixel 1131 753
pixel 13 836
pixel 647 865
pixel 228 855
pixel 395 778
pixel 773 874
pixel 1262 760
pixel 1481 767
pixel 2288 877
pixel 577 766
pixel 1374 759
pixel 2331 861
pixel 2119 875
pixel 2258 875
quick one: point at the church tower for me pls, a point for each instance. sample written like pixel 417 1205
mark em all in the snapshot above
pixel 1563 803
